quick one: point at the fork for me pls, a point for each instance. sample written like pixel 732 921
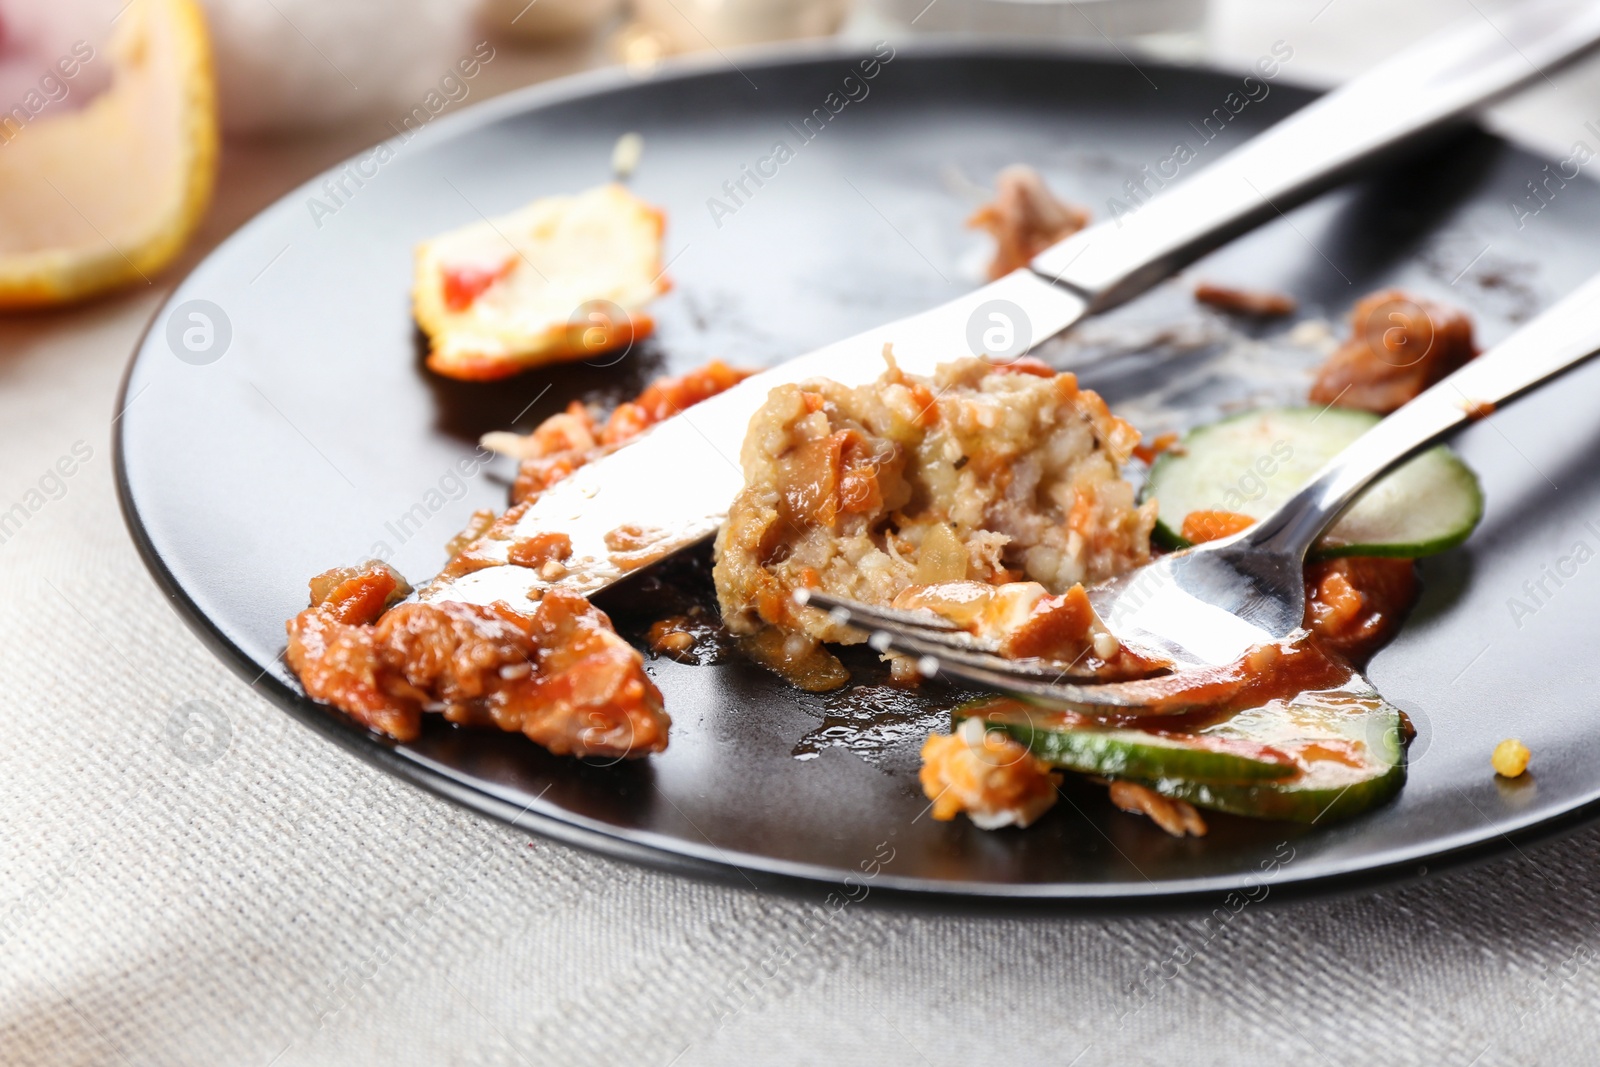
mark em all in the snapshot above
pixel 1206 607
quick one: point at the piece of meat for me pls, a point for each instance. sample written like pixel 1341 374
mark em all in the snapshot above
pixel 589 694
pixel 332 651
pixel 1024 218
pixel 1398 346
pixel 1257 303
pixel 561 675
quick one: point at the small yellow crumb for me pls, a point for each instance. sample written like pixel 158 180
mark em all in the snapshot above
pixel 1510 758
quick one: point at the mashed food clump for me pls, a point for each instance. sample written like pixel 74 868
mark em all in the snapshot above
pixel 982 473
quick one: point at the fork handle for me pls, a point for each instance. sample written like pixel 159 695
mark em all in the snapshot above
pixel 1550 345
pixel 1424 87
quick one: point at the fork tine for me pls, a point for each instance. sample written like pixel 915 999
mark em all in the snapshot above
pixel 1138 699
pixel 865 616
pixel 940 638
pixel 938 655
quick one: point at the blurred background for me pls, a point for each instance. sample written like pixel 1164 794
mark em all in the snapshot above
pixel 301 84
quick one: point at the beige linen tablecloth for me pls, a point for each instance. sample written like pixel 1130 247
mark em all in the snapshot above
pixel 183 885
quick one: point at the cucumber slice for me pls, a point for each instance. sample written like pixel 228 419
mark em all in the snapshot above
pixel 1252 463
pixel 1348 742
pixel 1343 747
pixel 1063 740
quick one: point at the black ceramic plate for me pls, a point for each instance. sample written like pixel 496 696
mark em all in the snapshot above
pixel 306 434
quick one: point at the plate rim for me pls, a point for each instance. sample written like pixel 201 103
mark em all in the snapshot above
pixel 748 870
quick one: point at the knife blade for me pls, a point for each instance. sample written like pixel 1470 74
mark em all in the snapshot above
pixel 672 486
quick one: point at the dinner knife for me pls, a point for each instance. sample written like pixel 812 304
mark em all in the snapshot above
pixel 672 486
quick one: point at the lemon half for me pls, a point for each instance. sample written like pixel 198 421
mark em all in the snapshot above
pixel 94 199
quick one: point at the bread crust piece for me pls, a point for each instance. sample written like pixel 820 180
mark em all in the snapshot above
pixel 566 277
pixel 982 472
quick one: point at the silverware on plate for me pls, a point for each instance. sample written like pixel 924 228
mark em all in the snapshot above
pixel 671 487
pixel 1209 605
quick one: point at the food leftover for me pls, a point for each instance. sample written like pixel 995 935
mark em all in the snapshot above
pixel 988 474
pixel 1398 346
pixel 1024 218
pixel 566 277
pixel 1510 758
pixel 1256 303
pixel 559 673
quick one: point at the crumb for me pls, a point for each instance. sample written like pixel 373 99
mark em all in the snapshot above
pixel 1025 218
pixel 1147 453
pixel 672 637
pixel 1313 333
pixel 625 155
pixel 1510 758
pixel 1257 303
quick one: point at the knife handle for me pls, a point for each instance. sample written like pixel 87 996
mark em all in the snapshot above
pixel 1421 89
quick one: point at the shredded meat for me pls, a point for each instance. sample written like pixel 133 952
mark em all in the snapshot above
pixel 1025 218
pixel 568 440
pixel 1398 346
pixel 1176 817
pixel 1257 303
pixel 561 676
